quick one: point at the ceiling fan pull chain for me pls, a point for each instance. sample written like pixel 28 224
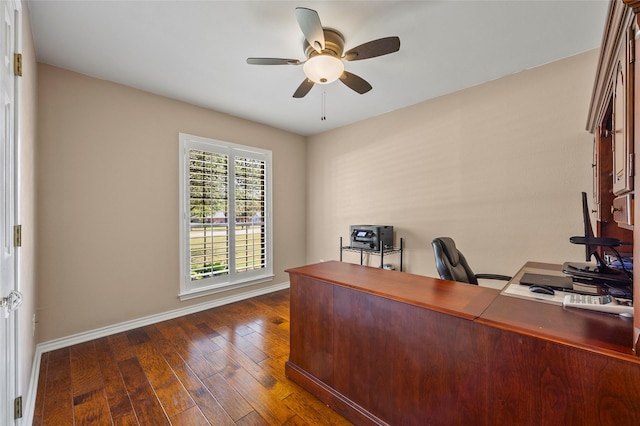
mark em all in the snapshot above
pixel 323 115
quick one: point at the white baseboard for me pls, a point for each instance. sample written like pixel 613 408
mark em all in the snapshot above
pixel 63 342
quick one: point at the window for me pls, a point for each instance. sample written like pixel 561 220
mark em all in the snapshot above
pixel 225 206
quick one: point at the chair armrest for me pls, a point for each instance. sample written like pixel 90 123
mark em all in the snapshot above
pixel 494 277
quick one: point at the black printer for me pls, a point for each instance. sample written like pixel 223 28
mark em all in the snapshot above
pixel 371 237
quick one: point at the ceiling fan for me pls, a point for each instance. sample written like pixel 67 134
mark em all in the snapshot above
pixel 323 48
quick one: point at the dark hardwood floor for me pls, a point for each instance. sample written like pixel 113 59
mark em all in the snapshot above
pixel 223 366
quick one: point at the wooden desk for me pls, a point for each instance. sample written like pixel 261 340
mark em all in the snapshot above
pixel 384 347
pixel 610 335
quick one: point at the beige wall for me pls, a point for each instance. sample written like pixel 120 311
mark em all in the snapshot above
pixel 27 218
pixel 499 167
pixel 108 199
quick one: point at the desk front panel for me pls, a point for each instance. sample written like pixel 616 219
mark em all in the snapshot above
pixel 535 381
pixel 395 362
pixel 378 356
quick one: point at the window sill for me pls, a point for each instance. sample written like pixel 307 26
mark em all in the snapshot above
pixel 213 289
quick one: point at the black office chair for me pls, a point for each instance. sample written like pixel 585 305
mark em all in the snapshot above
pixel 452 265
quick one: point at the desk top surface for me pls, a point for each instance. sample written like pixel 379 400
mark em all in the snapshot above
pixel 608 334
pixel 459 299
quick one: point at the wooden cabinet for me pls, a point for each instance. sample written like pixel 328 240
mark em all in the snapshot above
pixel 614 100
pixel 612 121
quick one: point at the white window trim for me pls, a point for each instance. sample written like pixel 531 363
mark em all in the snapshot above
pixel 206 287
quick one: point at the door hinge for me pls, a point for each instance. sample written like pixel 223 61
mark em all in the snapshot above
pixel 17 64
pixel 17 236
pixel 631 37
pixel 17 408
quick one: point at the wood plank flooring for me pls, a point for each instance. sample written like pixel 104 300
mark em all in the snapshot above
pixel 223 366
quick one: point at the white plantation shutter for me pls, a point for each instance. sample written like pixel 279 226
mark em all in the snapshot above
pixel 208 211
pixel 225 238
pixel 250 184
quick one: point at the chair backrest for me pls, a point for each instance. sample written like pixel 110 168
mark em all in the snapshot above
pixel 450 263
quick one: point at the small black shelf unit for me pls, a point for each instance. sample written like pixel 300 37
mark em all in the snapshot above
pixel 382 252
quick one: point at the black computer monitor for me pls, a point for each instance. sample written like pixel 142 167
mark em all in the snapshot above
pixel 600 271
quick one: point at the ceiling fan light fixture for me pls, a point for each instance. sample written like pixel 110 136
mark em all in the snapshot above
pixel 323 69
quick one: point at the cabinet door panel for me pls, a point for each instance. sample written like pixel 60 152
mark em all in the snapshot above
pixel 619 133
pixel 622 120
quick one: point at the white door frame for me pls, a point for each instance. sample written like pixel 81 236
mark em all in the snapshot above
pixel 11 370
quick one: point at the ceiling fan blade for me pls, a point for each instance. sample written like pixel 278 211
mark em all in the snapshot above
pixel 303 89
pixel 355 83
pixel 371 49
pixel 272 61
pixel 311 27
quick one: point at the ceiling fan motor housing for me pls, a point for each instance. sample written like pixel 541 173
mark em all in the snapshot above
pixel 333 45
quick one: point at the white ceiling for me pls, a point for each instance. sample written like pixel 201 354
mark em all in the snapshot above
pixel 196 51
